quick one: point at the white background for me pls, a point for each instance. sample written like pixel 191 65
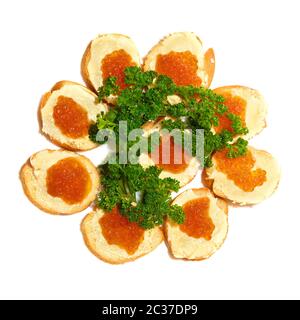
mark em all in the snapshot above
pixel 256 44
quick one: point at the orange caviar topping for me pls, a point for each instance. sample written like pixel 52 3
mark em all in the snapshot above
pixel 114 64
pixel 118 230
pixel 198 223
pixel 182 67
pixel 69 180
pixel 71 118
pixel 240 170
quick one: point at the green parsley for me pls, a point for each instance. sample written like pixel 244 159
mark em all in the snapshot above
pixel 146 99
pixel 237 149
pixel 140 194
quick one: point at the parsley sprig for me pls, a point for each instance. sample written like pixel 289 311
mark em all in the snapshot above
pixel 141 195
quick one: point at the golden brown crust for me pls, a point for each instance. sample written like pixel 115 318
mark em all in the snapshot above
pixel 29 185
pixel 60 84
pixel 66 146
pixel 223 205
pixel 210 65
pixel 208 183
pixel 84 67
pixel 44 100
pixel 42 104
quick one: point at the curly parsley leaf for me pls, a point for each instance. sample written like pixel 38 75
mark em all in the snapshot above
pixel 238 149
pixel 141 195
pixel 110 87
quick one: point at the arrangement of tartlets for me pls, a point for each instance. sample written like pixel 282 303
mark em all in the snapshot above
pixel 64 182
